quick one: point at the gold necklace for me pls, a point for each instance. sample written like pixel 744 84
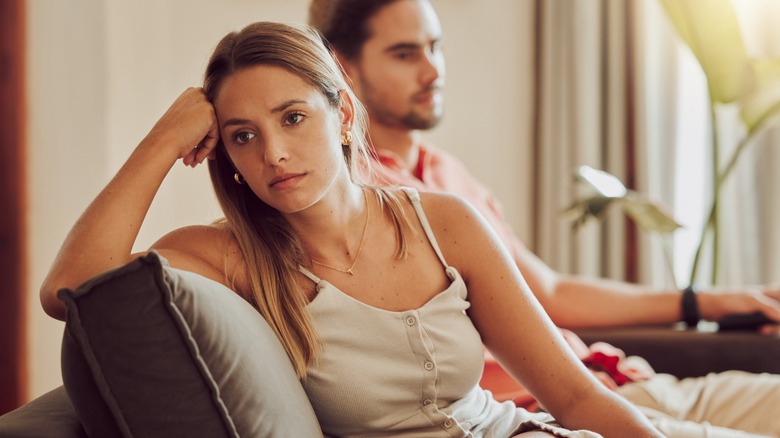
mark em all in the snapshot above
pixel 360 246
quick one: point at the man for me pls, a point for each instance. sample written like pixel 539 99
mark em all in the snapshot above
pixel 390 49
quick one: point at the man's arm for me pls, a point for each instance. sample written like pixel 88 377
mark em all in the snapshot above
pixel 579 302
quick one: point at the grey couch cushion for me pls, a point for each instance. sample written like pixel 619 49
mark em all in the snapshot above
pixel 48 416
pixel 154 351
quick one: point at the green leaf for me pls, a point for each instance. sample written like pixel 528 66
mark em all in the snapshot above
pixel 603 182
pixel 648 215
pixel 711 30
pixel 763 101
pixel 611 192
pixel 589 208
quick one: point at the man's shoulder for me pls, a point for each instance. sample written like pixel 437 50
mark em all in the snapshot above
pixel 446 172
pixel 441 158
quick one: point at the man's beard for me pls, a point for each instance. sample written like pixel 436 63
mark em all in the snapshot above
pixel 412 120
pixel 415 121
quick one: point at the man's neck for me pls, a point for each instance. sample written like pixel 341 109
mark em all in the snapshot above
pixel 402 142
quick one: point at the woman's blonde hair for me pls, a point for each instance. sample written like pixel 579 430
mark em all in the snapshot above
pixel 270 247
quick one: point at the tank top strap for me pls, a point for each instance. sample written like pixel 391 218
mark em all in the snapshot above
pixel 309 274
pixel 414 197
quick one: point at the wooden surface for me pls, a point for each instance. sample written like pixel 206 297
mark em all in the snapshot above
pixel 13 357
pixel 686 353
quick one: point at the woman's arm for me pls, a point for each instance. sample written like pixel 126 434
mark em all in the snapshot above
pixel 104 235
pixel 518 333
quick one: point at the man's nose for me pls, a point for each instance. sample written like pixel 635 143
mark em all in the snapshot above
pixel 432 69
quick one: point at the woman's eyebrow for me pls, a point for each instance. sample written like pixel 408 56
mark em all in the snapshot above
pixel 277 109
pixel 287 104
pixel 235 121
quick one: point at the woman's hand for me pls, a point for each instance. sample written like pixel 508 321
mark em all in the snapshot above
pixel 104 235
pixel 190 126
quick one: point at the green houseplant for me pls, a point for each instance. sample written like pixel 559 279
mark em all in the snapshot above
pixel 711 30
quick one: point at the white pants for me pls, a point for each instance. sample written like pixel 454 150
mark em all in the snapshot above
pixel 732 404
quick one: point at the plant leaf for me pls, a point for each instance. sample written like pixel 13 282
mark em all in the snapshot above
pixel 711 30
pixel 763 101
pixel 588 208
pixel 603 182
pixel 648 215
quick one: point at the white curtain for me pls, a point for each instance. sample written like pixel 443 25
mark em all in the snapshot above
pixel 749 211
pixel 584 116
pixel 750 205
pixel 619 91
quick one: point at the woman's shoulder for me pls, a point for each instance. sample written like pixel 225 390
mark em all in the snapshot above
pixel 459 227
pixel 448 215
pixel 435 205
pixel 427 197
pixel 445 204
pixel 210 250
pixel 200 239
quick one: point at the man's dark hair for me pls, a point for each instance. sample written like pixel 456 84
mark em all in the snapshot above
pixel 344 23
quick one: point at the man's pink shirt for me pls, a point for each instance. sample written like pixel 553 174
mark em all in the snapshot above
pixel 438 171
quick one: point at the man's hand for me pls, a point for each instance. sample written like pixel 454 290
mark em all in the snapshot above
pixel 716 304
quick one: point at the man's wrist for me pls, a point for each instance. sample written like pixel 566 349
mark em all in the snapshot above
pixel 689 307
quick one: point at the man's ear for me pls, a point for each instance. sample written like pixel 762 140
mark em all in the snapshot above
pixel 348 69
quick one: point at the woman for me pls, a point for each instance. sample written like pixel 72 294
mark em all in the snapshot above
pixel 366 288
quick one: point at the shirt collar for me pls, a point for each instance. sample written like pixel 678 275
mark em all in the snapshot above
pixel 393 161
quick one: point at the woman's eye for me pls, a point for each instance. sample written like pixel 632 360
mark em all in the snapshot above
pixel 293 118
pixel 243 137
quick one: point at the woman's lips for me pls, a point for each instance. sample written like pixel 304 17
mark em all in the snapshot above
pixel 286 180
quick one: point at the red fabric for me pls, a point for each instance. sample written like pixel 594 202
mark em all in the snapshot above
pixel 611 360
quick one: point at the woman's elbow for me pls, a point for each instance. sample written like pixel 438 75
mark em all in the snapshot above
pixel 52 305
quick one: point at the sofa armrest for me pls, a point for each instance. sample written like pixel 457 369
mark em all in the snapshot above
pixel 153 351
pixel 688 353
pixel 48 416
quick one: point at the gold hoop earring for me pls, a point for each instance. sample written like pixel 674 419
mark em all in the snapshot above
pixel 346 138
pixel 238 178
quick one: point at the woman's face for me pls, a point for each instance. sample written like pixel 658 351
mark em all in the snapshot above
pixel 282 135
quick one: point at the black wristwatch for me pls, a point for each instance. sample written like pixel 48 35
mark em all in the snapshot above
pixel 690 307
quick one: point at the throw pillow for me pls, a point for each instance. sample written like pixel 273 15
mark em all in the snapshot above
pixel 153 351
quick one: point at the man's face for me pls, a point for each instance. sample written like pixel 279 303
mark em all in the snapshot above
pixel 399 75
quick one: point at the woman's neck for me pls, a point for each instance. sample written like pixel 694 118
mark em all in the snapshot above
pixel 334 230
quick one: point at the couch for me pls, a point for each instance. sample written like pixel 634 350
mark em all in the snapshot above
pixel 153 351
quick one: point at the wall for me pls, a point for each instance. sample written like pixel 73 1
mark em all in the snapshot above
pixel 66 134
pixel 102 72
